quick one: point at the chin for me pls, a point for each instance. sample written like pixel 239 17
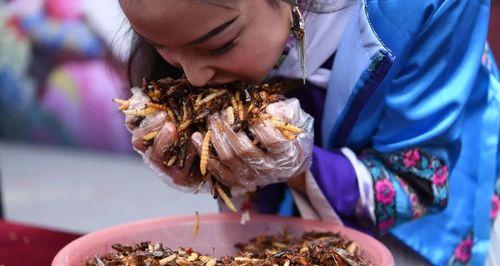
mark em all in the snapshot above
pixel 257 78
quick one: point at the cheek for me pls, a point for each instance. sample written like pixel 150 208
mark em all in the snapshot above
pixel 254 60
pixel 168 57
pixel 261 47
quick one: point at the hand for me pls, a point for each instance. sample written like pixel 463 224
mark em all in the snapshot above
pixel 153 154
pixel 245 166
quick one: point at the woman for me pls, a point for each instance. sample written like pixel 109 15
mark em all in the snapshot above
pixel 404 94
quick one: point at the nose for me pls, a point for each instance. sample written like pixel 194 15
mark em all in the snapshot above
pixel 197 72
pixel 198 75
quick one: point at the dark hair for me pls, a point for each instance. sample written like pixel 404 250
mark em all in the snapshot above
pixel 144 61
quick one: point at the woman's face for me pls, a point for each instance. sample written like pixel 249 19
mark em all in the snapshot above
pixel 214 42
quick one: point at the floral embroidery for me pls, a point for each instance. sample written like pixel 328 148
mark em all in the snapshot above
pixel 417 213
pixel 486 58
pixel 411 158
pixel 385 195
pixel 385 191
pixel 463 251
pixel 441 176
pixel 384 225
pixel 495 202
pixel 418 209
pixel 415 163
pixel 390 173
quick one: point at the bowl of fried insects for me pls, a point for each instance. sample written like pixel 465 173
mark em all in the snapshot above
pixel 216 239
pixel 220 239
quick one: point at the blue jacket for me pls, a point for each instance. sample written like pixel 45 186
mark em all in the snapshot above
pixel 422 117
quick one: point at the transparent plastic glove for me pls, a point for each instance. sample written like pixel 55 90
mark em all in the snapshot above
pixel 152 155
pixel 244 166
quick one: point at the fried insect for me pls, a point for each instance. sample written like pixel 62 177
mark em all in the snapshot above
pixel 172 160
pixel 230 115
pixel 151 135
pixel 124 104
pixel 141 112
pixel 211 96
pixel 225 198
pixel 241 111
pixel 158 106
pixel 185 124
pixel 200 186
pixel 285 126
pixel 289 132
pixel 168 259
pixel 205 152
pixel 196 228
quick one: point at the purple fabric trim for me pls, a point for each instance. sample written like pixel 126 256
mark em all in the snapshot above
pixel 375 75
pixel 337 180
pixel 268 199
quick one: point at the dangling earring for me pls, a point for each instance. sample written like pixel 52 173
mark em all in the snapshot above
pixel 299 33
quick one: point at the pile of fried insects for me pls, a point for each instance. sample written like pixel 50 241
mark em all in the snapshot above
pixel 313 248
pixel 188 108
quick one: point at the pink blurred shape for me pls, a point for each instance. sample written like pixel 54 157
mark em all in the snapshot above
pixel 64 9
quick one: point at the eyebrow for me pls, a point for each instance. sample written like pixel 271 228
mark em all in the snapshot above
pixel 214 32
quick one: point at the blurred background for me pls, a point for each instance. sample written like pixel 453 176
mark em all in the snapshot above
pixel 65 156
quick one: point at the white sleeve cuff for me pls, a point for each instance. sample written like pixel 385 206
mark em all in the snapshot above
pixel 366 204
pixel 315 206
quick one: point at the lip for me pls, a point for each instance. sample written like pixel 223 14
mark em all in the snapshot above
pixel 220 82
pixel 216 84
pixel 231 84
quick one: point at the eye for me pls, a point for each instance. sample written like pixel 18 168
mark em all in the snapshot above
pixel 224 48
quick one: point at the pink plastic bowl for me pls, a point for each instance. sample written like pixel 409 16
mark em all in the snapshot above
pixel 218 233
